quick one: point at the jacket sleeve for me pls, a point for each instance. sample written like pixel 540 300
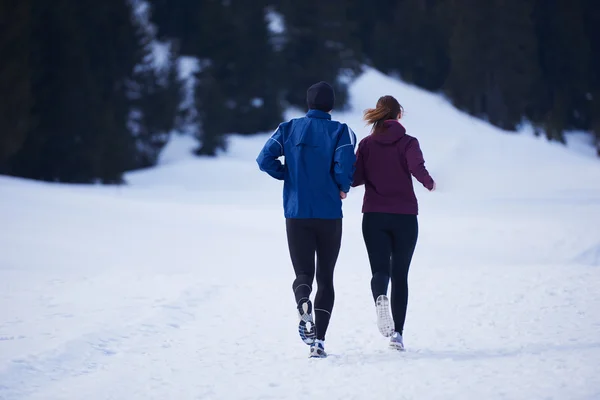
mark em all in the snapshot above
pixel 359 172
pixel 344 159
pixel 416 164
pixel 268 159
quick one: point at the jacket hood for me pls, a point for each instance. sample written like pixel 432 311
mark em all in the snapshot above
pixel 391 132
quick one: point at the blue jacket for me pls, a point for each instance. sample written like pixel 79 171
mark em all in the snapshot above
pixel 319 163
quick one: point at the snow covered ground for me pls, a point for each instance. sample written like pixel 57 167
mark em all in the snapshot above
pixel 178 286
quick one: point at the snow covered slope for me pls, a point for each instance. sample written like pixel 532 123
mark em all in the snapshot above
pixel 178 286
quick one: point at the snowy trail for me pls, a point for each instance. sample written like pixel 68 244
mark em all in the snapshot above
pixel 179 285
pixel 209 325
pixel 212 342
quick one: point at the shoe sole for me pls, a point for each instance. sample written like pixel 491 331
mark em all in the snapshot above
pixel 397 347
pixel 306 326
pixel 315 354
pixel 385 323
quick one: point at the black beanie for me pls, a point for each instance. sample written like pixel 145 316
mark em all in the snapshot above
pixel 320 96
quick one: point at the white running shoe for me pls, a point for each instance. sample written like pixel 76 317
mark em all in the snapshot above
pixel 385 323
pixel 396 342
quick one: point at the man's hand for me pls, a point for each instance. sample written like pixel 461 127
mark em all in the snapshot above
pixel 343 195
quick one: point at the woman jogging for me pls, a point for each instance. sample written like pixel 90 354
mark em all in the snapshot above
pixel 386 161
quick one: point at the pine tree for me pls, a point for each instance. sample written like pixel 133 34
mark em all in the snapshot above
pixel 250 64
pixel 83 57
pixel 190 25
pixel 212 112
pixel 564 62
pixel 187 22
pixel 15 78
pixel 411 41
pixel 510 88
pixel 493 52
pixel 591 12
pixel 114 53
pixel 320 44
pixel 469 49
pixel 371 17
pixel 59 146
pixel 155 101
pixel 155 94
pixel 237 88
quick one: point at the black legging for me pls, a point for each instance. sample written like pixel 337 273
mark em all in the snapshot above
pixel 391 241
pixel 307 237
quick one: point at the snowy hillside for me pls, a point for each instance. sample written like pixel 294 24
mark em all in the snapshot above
pixel 178 286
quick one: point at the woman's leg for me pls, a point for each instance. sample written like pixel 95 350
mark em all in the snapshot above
pixel 405 233
pixel 379 248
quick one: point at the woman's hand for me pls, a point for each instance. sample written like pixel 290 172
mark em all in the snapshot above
pixel 343 195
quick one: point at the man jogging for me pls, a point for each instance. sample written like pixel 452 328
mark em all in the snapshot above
pixel 317 174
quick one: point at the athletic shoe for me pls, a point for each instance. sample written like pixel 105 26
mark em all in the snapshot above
pixel 306 326
pixel 396 342
pixel 317 349
pixel 385 323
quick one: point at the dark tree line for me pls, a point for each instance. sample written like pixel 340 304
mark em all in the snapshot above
pixel 82 101
pixel 506 61
pixel 250 72
pixel 79 102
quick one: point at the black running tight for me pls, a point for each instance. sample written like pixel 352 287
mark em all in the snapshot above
pixel 307 238
pixel 390 240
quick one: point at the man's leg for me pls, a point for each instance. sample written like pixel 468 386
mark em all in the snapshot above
pixel 302 243
pixel 329 239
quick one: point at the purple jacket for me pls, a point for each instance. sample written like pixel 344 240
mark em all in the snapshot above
pixel 385 162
